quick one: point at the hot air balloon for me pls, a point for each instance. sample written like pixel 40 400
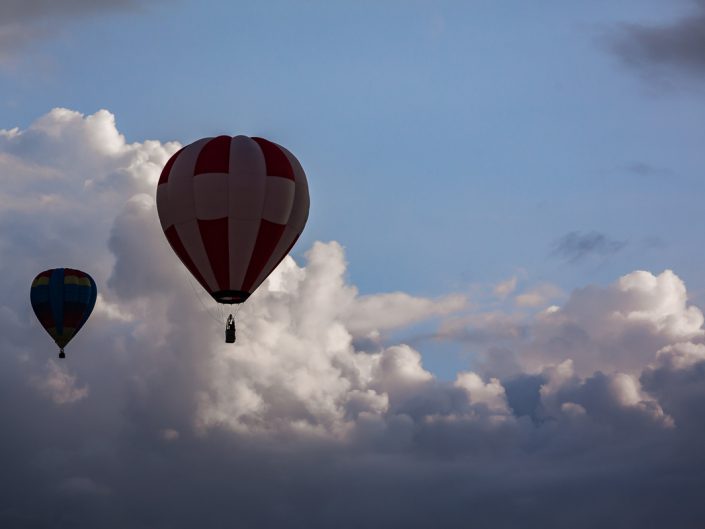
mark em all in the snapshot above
pixel 62 299
pixel 232 208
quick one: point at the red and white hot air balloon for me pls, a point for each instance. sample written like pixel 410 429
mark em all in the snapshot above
pixel 232 209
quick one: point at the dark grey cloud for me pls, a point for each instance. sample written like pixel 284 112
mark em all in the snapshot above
pixel 576 246
pixel 675 46
pixel 25 21
pixel 523 395
pixel 103 462
pixel 644 169
pixel 12 11
pixel 152 422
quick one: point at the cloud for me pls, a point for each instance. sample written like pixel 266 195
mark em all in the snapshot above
pixel 504 288
pixel 615 328
pixel 81 486
pixel 23 22
pixel 676 379
pixel 656 49
pixel 600 396
pixel 487 327
pixel 15 37
pixel 491 394
pixel 644 169
pixel 575 246
pixel 21 10
pixel 372 314
pixel 538 296
pixel 153 421
pixel 59 385
pixel 680 356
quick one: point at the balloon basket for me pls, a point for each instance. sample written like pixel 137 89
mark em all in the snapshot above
pixel 230 330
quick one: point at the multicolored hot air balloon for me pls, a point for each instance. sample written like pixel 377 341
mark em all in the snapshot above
pixel 62 299
pixel 232 209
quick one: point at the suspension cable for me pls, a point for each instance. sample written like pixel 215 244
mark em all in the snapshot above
pixel 205 307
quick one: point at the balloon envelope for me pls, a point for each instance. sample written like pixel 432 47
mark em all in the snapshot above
pixel 62 299
pixel 232 209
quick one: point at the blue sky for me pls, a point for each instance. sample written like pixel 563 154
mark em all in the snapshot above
pixel 494 317
pixel 447 143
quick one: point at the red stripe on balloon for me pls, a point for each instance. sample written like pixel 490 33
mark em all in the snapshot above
pixel 214 234
pixel 267 239
pixel 173 237
pixel 164 177
pixel 73 315
pixel 44 315
pixel 275 159
pixel 214 156
pixel 287 250
pixel 73 272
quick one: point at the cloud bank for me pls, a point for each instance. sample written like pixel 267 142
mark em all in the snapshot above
pixel 588 413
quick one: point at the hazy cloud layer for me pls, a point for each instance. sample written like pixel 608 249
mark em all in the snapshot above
pixel 584 414
pixel 678 45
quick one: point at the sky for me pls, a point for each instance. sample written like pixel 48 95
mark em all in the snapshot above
pixel 494 317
